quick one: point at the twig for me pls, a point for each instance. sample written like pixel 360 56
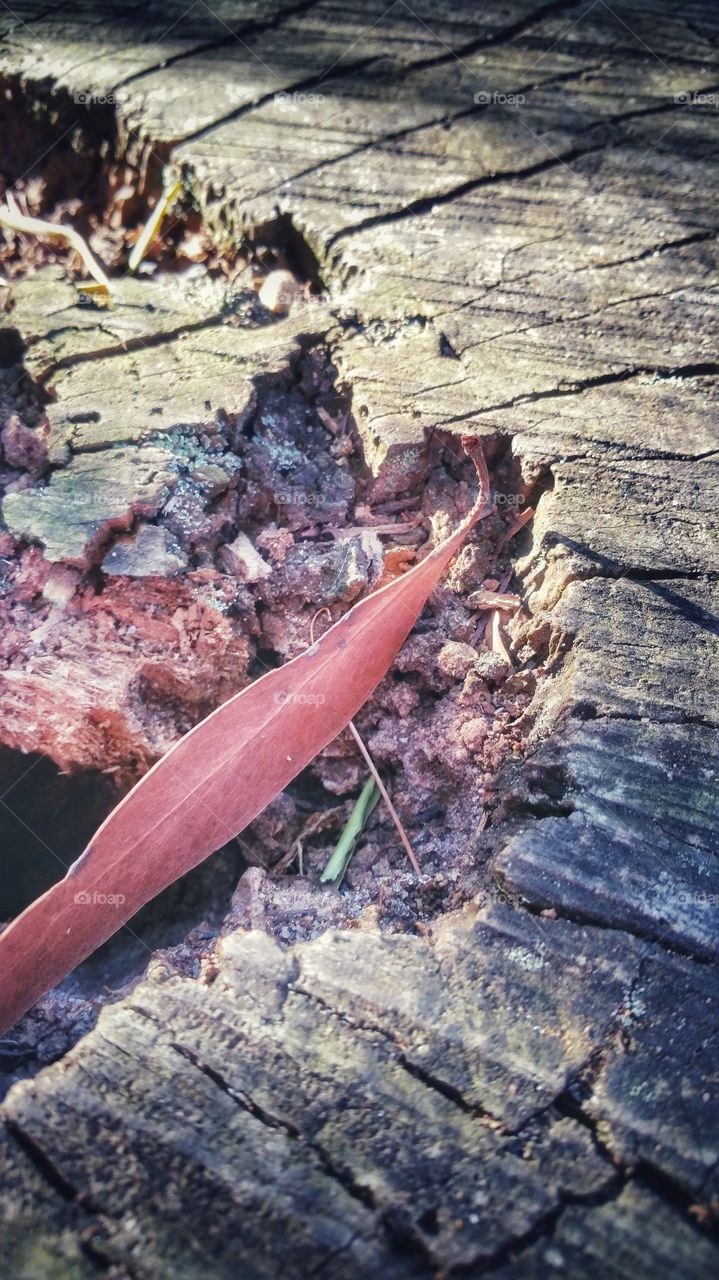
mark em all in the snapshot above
pixel 297 851
pixel 152 226
pixel 505 602
pixel 324 609
pixel 373 770
pixel 351 531
pixel 385 796
pixel 10 216
pixel 498 644
pixel 519 523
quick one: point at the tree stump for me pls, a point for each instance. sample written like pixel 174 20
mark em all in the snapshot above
pixel 499 226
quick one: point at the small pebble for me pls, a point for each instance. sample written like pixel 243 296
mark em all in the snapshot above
pixel 473 687
pixel 455 659
pixel 473 734
pixel 520 682
pixel 61 585
pixel 491 666
pixel 279 291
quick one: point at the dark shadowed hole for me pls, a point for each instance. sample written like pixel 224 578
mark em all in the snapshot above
pixel 429 1222
pixel 46 820
pixel 12 347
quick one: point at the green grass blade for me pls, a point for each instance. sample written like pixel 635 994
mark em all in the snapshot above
pixel 339 862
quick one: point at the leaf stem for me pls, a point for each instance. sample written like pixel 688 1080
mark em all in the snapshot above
pixel 385 796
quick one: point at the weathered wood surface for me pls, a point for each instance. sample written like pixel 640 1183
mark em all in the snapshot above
pixel 310 1110
pixel 509 1093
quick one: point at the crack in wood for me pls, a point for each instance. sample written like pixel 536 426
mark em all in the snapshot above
pixel 245 30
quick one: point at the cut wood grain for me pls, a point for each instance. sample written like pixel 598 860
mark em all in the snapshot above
pixel 394 1100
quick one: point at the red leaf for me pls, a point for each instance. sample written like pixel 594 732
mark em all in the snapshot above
pixel 216 780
